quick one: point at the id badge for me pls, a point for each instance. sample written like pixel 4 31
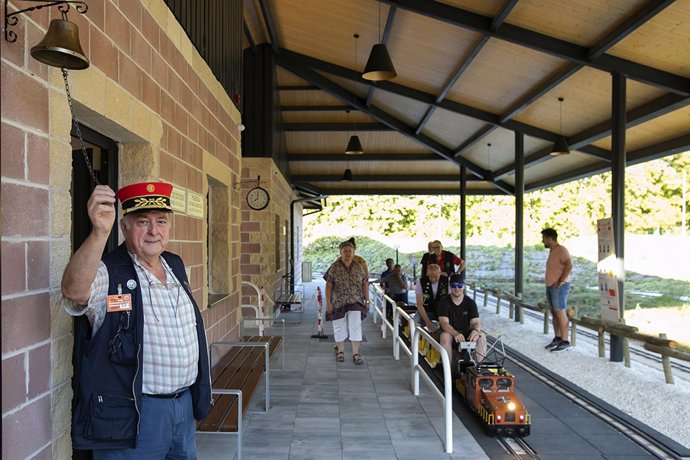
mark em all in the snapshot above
pixel 119 302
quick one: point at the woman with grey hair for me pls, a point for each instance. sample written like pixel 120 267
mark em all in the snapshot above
pixel 347 300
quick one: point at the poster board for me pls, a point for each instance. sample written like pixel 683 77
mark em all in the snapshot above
pixel 607 269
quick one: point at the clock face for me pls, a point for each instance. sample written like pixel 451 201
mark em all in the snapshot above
pixel 258 198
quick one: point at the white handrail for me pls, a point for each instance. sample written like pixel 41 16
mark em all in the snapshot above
pixel 447 397
pixel 259 309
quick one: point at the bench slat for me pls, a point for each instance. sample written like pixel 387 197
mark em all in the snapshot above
pixel 240 368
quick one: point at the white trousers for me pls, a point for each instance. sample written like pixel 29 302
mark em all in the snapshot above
pixel 351 324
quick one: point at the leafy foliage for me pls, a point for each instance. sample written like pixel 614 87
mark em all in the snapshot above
pixel 494 267
pixel 653 204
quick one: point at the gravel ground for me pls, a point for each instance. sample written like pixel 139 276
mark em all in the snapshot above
pixel 639 391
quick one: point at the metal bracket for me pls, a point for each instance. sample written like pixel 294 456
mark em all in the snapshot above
pixel 64 6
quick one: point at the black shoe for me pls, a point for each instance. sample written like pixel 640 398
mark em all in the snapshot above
pixel 563 346
pixel 553 344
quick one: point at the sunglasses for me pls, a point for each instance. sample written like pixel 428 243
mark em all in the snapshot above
pixel 456 285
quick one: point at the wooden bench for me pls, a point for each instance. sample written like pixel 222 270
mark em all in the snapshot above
pixel 235 376
pixel 290 298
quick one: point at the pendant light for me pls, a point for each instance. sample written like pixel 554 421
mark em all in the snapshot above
pixel 354 146
pixel 561 146
pixel 347 176
pixel 379 65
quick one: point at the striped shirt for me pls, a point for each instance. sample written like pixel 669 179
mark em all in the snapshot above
pixel 170 347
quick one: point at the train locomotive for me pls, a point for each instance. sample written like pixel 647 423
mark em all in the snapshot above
pixel 489 390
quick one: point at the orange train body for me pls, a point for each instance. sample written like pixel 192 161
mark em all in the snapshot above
pixel 490 393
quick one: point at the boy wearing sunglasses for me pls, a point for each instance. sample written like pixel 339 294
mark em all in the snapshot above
pixel 459 319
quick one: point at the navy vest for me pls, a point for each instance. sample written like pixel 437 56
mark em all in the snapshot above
pixel 431 300
pixel 108 366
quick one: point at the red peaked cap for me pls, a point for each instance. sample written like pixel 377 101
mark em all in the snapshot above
pixel 145 197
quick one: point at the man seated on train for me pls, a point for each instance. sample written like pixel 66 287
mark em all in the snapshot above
pixel 396 284
pixel 459 320
pixel 429 290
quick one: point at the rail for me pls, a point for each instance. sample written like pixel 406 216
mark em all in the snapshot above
pixel 258 309
pixel 446 397
pixel 660 344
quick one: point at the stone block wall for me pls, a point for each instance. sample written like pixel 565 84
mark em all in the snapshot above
pixel 265 234
pixel 150 91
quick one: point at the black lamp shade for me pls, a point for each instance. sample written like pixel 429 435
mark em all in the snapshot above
pixel 347 176
pixel 354 146
pixel 560 147
pixel 379 66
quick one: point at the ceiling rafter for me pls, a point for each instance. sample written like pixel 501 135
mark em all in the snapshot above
pixel 421 96
pixel 652 152
pixel 562 49
pixel 634 117
pixel 407 192
pixel 270 25
pixel 335 127
pixel 637 19
pixel 397 157
pixel 436 178
pixel 495 24
pixel 288 60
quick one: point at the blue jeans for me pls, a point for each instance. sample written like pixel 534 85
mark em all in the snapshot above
pixel 558 296
pixel 167 430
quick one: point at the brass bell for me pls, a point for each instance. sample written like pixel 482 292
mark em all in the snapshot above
pixel 60 47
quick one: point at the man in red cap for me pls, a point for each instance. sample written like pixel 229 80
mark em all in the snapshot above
pixel 142 370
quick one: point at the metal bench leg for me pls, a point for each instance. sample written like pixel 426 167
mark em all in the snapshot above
pixel 237 393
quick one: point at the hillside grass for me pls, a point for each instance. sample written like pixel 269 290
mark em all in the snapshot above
pixel 493 267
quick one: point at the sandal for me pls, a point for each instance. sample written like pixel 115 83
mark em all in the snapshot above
pixel 357 359
pixel 340 357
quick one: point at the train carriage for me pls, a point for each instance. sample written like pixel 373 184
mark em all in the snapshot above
pixel 489 390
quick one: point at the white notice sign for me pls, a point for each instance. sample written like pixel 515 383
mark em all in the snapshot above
pixel 178 200
pixel 195 205
pixel 607 269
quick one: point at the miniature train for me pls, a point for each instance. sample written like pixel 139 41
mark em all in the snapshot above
pixel 487 388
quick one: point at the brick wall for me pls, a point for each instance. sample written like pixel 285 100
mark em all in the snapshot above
pixel 258 230
pixel 149 90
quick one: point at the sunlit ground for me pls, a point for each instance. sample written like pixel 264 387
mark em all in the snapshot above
pixel 675 322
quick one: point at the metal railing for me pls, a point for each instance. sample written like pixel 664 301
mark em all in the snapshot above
pixel 446 398
pixel 662 345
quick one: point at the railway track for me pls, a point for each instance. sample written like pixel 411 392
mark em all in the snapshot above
pixel 623 425
pixel 517 447
pixel 643 356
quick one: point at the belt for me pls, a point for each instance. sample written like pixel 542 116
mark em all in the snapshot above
pixel 177 394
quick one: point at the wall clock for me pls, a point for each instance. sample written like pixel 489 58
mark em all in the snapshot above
pixel 258 198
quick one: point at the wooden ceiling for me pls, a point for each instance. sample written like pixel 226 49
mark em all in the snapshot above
pixel 472 74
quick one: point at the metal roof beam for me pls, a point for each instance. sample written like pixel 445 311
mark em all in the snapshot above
pixel 451 106
pixel 298 88
pixel 335 127
pixel 338 156
pixel 435 192
pixel 270 25
pixel 652 152
pixel 424 178
pixel 315 108
pixel 248 34
pixel 546 44
pixel 296 66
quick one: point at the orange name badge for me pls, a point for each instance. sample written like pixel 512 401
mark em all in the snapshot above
pixel 119 302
